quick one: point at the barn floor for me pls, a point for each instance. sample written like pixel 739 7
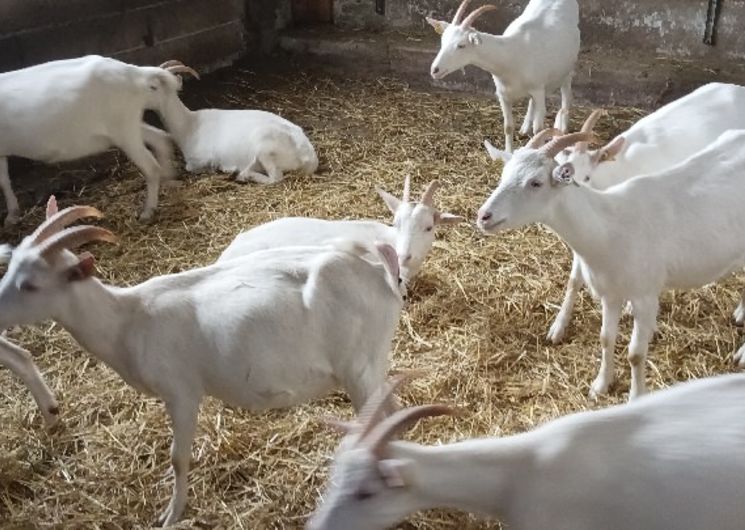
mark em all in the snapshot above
pixel 476 320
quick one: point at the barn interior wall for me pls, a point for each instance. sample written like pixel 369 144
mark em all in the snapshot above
pixel 673 27
pixel 205 33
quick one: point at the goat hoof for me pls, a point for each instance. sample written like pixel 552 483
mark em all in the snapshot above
pixel 598 389
pixel 739 315
pixel 11 220
pixel 739 357
pixel 147 216
pixel 556 332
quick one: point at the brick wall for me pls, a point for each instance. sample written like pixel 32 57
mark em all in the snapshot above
pixel 207 34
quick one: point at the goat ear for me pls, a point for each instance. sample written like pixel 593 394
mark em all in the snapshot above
pixel 474 39
pixel 390 258
pixel 495 154
pixel 610 151
pixel 393 472
pixel 563 174
pixel 5 252
pixel 390 201
pixel 85 268
pixel 439 25
pixel 445 218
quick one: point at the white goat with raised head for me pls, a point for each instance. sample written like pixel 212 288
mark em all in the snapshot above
pixel 258 145
pixel 656 142
pixel 676 229
pixel 68 109
pixel 412 233
pixel 675 459
pixel 535 55
pixel 273 329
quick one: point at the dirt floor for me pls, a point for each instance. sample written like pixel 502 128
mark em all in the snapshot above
pixel 476 321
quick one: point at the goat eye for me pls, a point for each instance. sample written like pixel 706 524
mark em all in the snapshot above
pixel 362 495
pixel 400 281
pixel 429 229
pixel 536 183
pixel 461 46
pixel 587 178
pixel 28 287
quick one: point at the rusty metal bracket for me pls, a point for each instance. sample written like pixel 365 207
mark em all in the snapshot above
pixel 712 18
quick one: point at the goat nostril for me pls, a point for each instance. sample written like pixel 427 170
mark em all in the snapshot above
pixel 407 259
pixel 435 70
pixel 486 216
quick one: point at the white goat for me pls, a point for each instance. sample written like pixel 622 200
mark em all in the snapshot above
pixel 680 228
pixel 656 142
pixel 258 145
pixel 276 328
pixel 412 233
pixel 535 55
pixel 675 459
pixel 63 110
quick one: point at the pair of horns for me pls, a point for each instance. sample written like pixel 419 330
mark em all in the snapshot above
pixel 177 67
pixel 469 20
pixel 552 140
pixel 374 430
pixel 53 235
pixel 558 141
pixel 428 197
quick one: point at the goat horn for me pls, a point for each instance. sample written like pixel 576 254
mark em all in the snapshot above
pixel 428 196
pixel 52 207
pixel 75 237
pixel 468 22
pixel 407 188
pixel 461 11
pixel 371 414
pixel 171 62
pixel 552 148
pixel 182 69
pixel 399 421
pixel 539 140
pixel 589 126
pixel 61 219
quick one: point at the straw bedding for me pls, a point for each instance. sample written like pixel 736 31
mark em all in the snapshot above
pixel 476 320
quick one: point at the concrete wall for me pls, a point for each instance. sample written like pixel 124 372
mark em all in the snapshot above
pixel 671 27
pixel 205 33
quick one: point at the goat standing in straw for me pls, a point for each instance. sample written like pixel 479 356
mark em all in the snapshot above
pixel 535 55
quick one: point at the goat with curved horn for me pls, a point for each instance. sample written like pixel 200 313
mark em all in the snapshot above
pixel 547 479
